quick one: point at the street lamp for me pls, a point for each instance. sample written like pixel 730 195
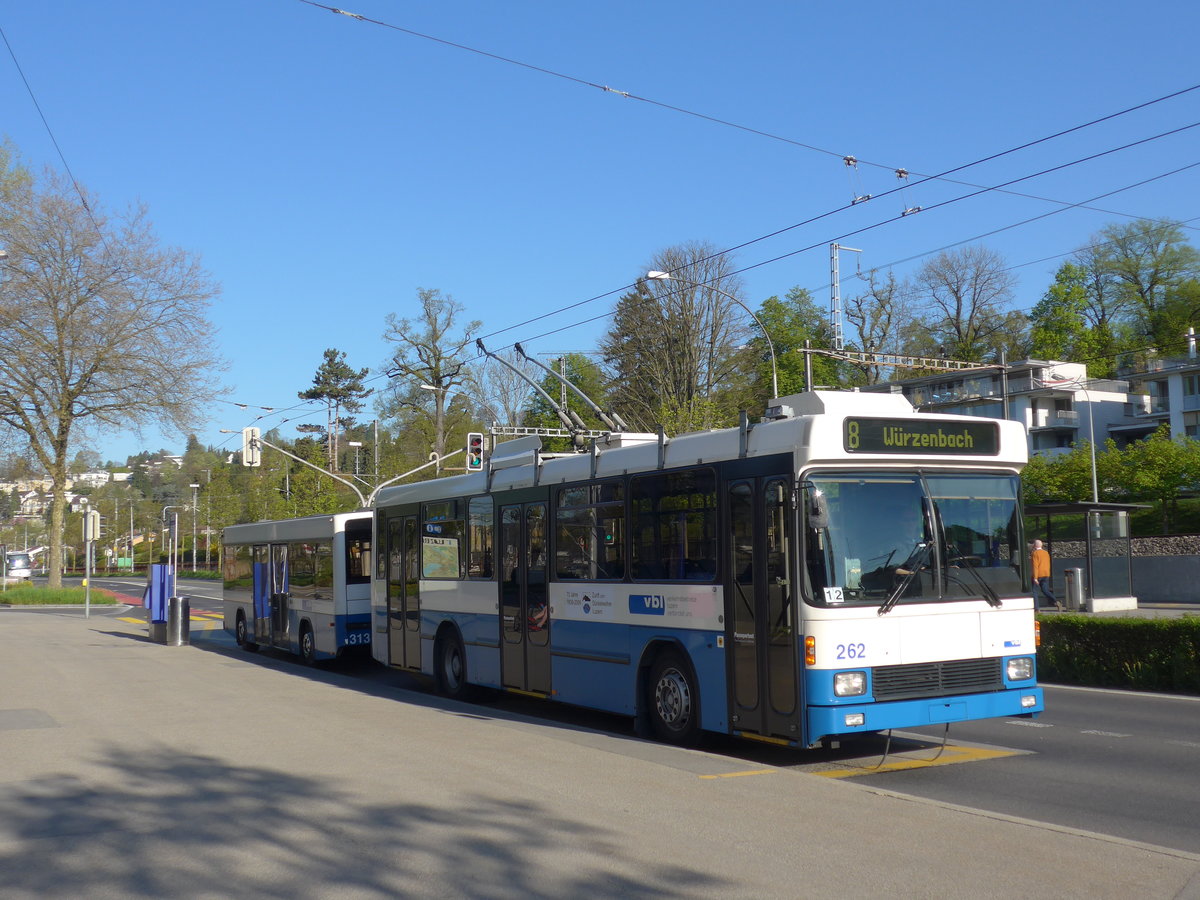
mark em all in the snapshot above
pixel 667 276
pixel 195 488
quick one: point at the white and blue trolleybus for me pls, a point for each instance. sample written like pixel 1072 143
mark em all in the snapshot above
pixel 846 565
pixel 302 585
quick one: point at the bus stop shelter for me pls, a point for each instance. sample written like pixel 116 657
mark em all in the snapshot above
pixel 1093 546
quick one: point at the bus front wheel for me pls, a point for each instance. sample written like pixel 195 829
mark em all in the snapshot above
pixel 673 702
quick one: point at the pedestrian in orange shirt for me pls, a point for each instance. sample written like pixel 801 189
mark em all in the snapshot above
pixel 1040 559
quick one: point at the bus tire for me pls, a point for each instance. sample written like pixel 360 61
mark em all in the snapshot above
pixel 450 666
pixel 308 645
pixel 672 701
pixel 241 635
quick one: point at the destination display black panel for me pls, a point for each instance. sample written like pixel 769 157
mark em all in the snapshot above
pixel 921 437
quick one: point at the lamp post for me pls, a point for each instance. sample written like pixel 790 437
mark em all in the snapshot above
pixel 667 276
pixel 195 488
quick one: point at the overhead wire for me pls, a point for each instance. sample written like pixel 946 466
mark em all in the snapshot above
pixel 845 157
pixel 905 184
pixel 54 140
pixel 853 232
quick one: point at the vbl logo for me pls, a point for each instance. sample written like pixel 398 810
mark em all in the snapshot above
pixel 647 604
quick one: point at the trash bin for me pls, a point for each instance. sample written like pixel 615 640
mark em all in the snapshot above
pixel 179 625
pixel 1074 589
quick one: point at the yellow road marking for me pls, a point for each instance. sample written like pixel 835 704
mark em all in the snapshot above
pixel 740 774
pixel 951 756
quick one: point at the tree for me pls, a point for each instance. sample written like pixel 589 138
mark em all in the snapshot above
pixel 672 348
pixel 430 351
pixel 791 322
pixel 586 375
pixel 341 388
pixel 1147 261
pixel 1058 328
pixel 500 394
pixel 878 317
pixel 1160 468
pixel 102 328
pixel 966 295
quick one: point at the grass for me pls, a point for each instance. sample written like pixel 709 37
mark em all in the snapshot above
pixel 39 595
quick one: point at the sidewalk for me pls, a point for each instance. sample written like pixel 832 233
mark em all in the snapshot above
pixel 132 769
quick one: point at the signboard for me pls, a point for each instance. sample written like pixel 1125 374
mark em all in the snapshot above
pixel 921 437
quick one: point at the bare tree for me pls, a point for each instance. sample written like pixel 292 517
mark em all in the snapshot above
pixel 966 294
pixel 501 393
pixel 102 329
pixel 431 350
pixel 878 317
pixel 672 348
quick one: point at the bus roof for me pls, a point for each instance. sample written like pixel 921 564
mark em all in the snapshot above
pixel 814 426
pixel 304 528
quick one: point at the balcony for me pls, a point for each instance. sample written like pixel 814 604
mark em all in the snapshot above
pixel 1055 418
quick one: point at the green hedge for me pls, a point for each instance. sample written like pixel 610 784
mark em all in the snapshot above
pixel 1140 654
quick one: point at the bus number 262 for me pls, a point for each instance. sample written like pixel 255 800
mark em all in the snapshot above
pixel 851 651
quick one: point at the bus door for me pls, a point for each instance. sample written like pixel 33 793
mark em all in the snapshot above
pixel 763 620
pixel 262 594
pixel 403 594
pixel 280 597
pixel 524 598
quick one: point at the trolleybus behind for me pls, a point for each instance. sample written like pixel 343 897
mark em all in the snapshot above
pixel 300 584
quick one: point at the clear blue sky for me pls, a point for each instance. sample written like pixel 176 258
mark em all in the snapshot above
pixel 325 168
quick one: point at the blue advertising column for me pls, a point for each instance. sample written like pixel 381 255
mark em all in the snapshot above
pixel 158 590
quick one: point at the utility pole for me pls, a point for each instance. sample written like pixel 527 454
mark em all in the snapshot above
pixel 195 488
pixel 835 294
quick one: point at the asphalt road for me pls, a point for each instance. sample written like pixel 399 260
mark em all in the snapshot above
pixel 1112 762
pixel 132 769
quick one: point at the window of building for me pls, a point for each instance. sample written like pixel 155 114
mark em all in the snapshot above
pixel 1191 424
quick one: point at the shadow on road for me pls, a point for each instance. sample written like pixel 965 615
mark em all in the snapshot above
pixel 193 825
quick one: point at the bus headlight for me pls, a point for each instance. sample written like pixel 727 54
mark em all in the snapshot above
pixel 849 684
pixel 1020 668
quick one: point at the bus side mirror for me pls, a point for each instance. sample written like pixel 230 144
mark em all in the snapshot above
pixel 818 510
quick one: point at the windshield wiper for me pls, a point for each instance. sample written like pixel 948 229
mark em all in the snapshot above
pixel 918 563
pixel 989 594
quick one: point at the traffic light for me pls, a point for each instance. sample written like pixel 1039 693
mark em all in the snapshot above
pixel 474 452
pixel 251 447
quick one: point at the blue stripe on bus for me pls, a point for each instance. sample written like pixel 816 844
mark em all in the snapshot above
pixel 831 720
pixel 818 683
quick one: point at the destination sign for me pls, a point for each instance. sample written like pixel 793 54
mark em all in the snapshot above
pixel 921 436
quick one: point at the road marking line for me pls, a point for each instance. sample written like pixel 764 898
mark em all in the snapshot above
pixel 740 774
pixel 1106 733
pixel 951 756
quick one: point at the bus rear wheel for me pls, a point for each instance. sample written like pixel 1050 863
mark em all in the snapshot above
pixel 450 666
pixel 308 645
pixel 673 702
pixel 242 636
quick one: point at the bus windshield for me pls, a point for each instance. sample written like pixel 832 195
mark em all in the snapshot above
pixel 893 537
